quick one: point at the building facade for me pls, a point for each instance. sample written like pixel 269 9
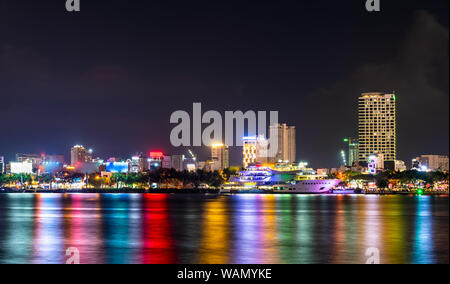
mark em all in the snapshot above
pixel 377 127
pixel 376 163
pixel 286 150
pixel 353 151
pixel 255 150
pixel 178 162
pixel 220 156
pixel 432 162
pixel 2 165
pixel 77 155
pixel 400 166
pixel 35 159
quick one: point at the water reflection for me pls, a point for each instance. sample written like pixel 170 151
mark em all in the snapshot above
pixel 160 228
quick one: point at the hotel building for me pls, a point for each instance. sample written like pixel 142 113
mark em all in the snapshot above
pixel 77 155
pixel 286 150
pixel 220 156
pixel 255 150
pixel 2 165
pixel 377 127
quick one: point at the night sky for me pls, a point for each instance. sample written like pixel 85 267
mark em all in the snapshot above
pixel 110 76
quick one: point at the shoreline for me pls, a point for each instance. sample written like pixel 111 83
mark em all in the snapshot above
pixel 196 191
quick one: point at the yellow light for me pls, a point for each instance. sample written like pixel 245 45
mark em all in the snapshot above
pixel 217 145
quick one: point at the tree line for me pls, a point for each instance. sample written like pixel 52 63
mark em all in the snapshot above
pixel 161 177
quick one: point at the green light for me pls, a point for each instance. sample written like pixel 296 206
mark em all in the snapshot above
pixel 420 191
pixel 346 140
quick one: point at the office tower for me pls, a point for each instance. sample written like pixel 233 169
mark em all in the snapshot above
pixel 2 165
pixel 77 155
pixel 286 150
pixel 178 162
pixel 431 162
pixel 220 156
pixel 377 127
pixel 353 150
pixel 167 162
pixel 89 155
pixel 255 150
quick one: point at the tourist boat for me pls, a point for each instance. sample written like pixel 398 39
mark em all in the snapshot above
pixel 319 186
pixel 284 181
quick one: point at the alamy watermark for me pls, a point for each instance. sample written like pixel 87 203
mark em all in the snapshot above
pixel 73 255
pixel 373 256
pixel 371 5
pixel 256 123
pixel 73 5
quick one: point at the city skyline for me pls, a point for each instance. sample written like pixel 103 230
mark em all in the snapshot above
pixel 60 96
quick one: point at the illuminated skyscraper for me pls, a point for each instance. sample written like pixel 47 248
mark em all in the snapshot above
pixel 2 165
pixel 255 150
pixel 220 156
pixel 286 150
pixel 353 150
pixel 377 127
pixel 77 155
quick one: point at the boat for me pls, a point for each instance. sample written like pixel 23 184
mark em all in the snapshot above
pixel 283 180
pixel 319 186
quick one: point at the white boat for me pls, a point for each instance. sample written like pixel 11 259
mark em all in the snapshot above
pixel 308 186
pixel 293 181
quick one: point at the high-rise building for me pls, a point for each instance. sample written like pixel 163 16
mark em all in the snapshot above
pixel 432 162
pixel 89 155
pixel 353 151
pixel 377 127
pixel 286 150
pixel 220 156
pixel 255 150
pixel 77 155
pixel 167 162
pixel 178 162
pixel 2 165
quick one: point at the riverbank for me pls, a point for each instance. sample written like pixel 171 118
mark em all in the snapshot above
pixel 201 191
pixel 111 190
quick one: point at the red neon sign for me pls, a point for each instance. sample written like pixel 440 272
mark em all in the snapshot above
pixel 156 154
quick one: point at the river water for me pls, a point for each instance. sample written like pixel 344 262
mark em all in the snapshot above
pixel 178 228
